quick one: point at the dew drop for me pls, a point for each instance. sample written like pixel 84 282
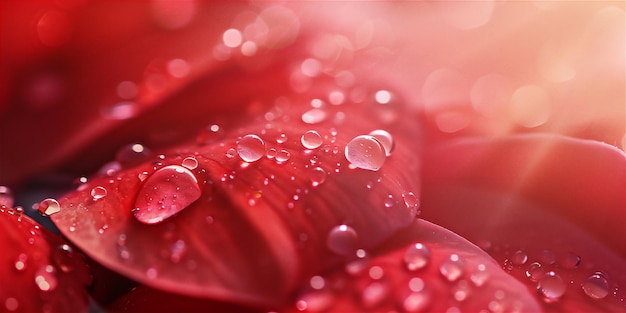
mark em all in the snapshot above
pixel 311 139
pixel 569 260
pixel 551 287
pixel 98 192
pixel 45 278
pixel 282 156
pixel 342 240
pixel 251 148
pixel 318 176
pixel 535 271
pixel 480 276
pixel 519 257
pixel 596 286
pixel 389 201
pixel 314 116
pixel 231 153
pixel 20 262
pixel 416 257
pixel 452 268
pixel 385 139
pixel 411 202
pixel 49 206
pixel 166 192
pixel 365 152
pixel 190 163
pixel 317 282
pixel 282 138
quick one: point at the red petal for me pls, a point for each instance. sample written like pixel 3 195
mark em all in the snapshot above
pixel 40 272
pixel 546 199
pixel 384 283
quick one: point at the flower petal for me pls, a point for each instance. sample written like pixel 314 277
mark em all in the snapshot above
pixel 40 272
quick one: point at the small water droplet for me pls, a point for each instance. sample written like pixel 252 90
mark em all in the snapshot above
pixel 311 139
pixel 314 116
pixel 389 201
pixel 416 257
pixel 62 257
pixel 45 278
pixel 519 257
pixel 480 276
pixel 49 206
pixel 342 240
pixel 98 192
pixel 569 260
pixel 365 152
pixel 461 291
pixel 190 163
pixel 411 202
pixel 376 272
pixel 535 271
pixel 385 139
pixel 282 138
pixel 165 193
pixel 452 268
pixel 251 148
pixel 20 262
pixel 282 156
pixel 551 287
pixel 318 176
pixel 596 286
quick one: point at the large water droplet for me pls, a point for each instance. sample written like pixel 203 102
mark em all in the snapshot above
pixel 416 257
pixel 365 152
pixel 452 268
pixel 251 148
pixel 385 139
pixel 519 257
pixel 551 287
pixel 98 192
pixel 596 286
pixel 45 278
pixel 282 155
pixel 166 192
pixel 49 206
pixel 342 240
pixel 318 176
pixel 311 139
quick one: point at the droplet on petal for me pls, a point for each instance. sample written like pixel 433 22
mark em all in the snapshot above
pixel 452 268
pixel 190 163
pixel 166 192
pixel 519 257
pixel 551 287
pixel 311 139
pixel 251 148
pixel 49 206
pixel 416 257
pixel 596 286
pixel 535 271
pixel 342 240
pixel 365 152
pixel 98 192
pixel 385 139
pixel 318 176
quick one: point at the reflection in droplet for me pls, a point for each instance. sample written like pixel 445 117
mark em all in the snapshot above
pixel 318 176
pixel 98 192
pixel 596 286
pixel 519 257
pixel 569 260
pixel 342 240
pixel 165 193
pixel 251 148
pixel 452 268
pixel 365 152
pixel 551 287
pixel 416 257
pixel 49 206
pixel 311 139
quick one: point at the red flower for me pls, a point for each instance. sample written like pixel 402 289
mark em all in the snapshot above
pixel 299 157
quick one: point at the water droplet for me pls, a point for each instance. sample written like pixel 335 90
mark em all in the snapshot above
pixel 415 302
pixel 365 152
pixel 318 176
pixel 411 202
pixel 376 272
pixel 389 201
pixel 166 192
pixel 596 286
pixel 271 153
pixel 251 148
pixel 383 96
pixel 45 278
pixel 132 154
pixel 98 192
pixel 231 153
pixel 461 291
pixel 569 260
pixel 314 116
pixel 535 271
pixel 480 276
pixel 551 287
pixel 190 163
pixel 282 156
pixel 519 257
pixel 20 262
pixel 311 139
pixel 416 257
pixel 385 139
pixel 342 240
pixel 62 257
pixel 49 206
pixel 547 257
pixel 374 294
pixel 282 138
pixel 452 268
